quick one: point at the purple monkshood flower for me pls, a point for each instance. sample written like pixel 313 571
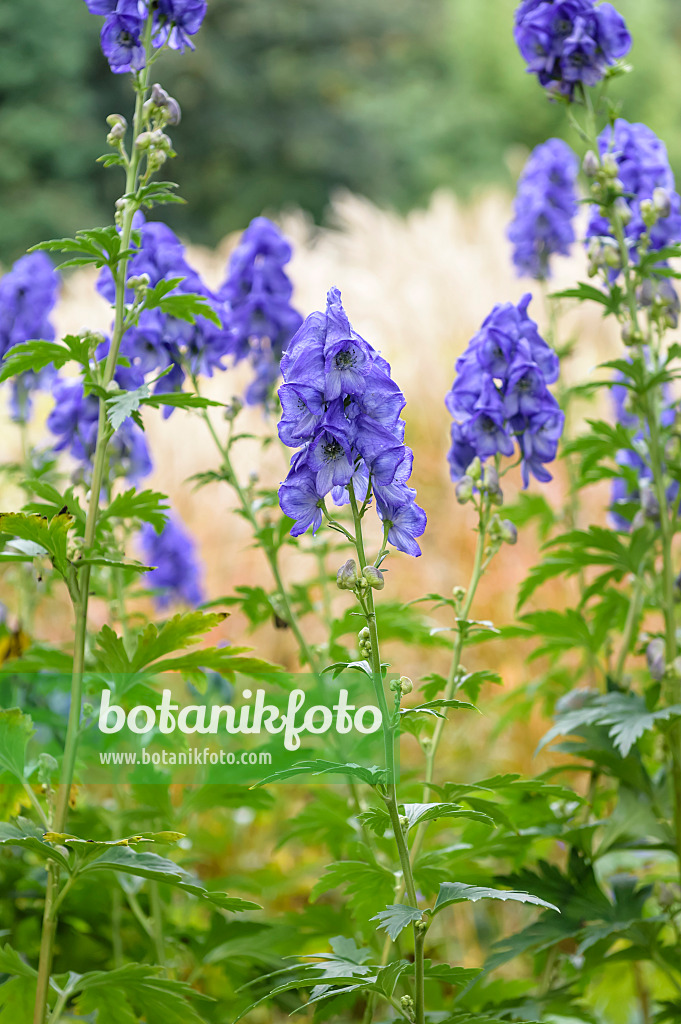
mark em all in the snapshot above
pixel 544 209
pixel 28 293
pixel 177 574
pixel 176 20
pixel 160 340
pixel 628 489
pixel 341 410
pixel 500 395
pixel 73 422
pixel 121 39
pixel 642 167
pixel 258 291
pixel 569 42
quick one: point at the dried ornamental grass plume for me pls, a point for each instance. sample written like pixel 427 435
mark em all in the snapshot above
pixel 28 293
pixel 74 423
pixel 173 24
pixel 648 187
pixel 341 410
pixel 177 573
pixel 544 209
pixel 160 340
pixel 500 395
pixel 258 290
pixel 569 42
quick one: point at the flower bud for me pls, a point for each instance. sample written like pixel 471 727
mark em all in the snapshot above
pixel 233 408
pixel 364 634
pixel 650 506
pixel 346 577
pixel 576 699
pixel 491 485
pixel 458 594
pixel 373 576
pixel 624 210
pixel 662 202
pixel 474 471
pixel 610 166
pixel 464 490
pixel 114 120
pixel 116 134
pixel 406 685
pixel 656 657
pixel 143 140
pixel 591 164
pixel 508 531
pixel 648 213
pixel 159 97
pixel 173 112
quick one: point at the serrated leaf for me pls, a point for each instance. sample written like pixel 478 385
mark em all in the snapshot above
pixel 160 869
pixel 396 917
pixel 626 713
pixel 50 534
pixel 147 506
pixel 372 776
pixel 11 963
pixel 417 813
pixel 29 838
pixel 458 892
pixel 153 996
pixel 16 729
pixel 367 885
pixel 120 407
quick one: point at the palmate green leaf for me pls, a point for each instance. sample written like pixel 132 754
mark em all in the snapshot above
pixel 147 506
pixel 396 917
pixel 139 987
pixel 11 963
pixel 17 999
pixel 54 501
pixel 25 836
pixel 372 776
pixel 16 729
pixel 183 630
pixel 626 713
pixel 368 886
pixel 38 354
pixel 179 400
pixel 160 869
pixel 417 813
pixel 375 818
pixel 458 892
pixel 120 407
pixel 158 192
pixel 610 300
pixel 50 534
pixel 98 246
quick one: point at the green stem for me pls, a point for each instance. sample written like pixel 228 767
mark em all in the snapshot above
pixel 271 555
pixel 156 907
pixel 390 794
pixel 630 628
pixel 81 602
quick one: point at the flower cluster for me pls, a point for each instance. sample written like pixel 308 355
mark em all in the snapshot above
pixel 341 409
pixel 649 200
pixel 258 291
pixel 160 341
pixel 500 395
pixel 569 42
pixel 177 574
pixel 544 209
pixel 634 486
pixel 27 297
pixel 74 421
pixel 122 36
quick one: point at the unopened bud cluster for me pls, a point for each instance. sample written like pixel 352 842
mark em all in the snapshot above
pixel 349 578
pixel 485 480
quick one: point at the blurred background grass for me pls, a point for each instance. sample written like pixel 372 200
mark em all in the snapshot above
pixel 286 101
